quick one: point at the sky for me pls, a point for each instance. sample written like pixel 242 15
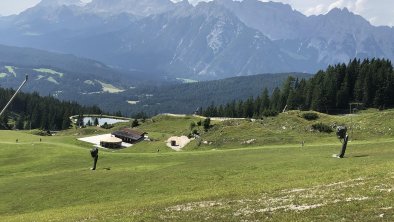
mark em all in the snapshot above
pixel 377 12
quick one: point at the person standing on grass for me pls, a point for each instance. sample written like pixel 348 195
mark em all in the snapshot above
pixel 94 154
pixel 343 137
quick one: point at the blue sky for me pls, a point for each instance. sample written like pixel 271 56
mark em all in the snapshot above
pixel 378 12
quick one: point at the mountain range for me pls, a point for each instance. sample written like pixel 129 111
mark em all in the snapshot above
pixel 90 82
pixel 211 40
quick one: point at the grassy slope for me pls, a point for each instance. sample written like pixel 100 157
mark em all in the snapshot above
pixel 51 180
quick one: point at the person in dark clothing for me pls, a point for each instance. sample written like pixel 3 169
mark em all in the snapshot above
pixel 343 137
pixel 94 154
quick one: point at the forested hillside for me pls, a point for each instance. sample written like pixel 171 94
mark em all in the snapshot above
pixel 369 83
pixel 187 97
pixel 31 111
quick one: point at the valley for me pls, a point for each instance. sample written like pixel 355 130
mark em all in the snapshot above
pixel 87 82
pixel 222 110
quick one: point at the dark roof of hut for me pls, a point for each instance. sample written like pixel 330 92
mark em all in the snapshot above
pixel 129 133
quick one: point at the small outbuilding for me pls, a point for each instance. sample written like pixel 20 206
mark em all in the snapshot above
pixel 111 143
pixel 128 135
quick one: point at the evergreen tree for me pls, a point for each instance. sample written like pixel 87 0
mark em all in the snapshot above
pixel 265 101
pixel 248 108
pixel 207 124
pixel 135 123
pixel 4 121
pixel 66 122
pixel 80 122
pixel 96 121
pixel 275 100
pixel 20 122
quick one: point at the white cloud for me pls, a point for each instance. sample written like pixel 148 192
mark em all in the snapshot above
pixel 15 6
pixel 9 7
pixel 319 9
pixel 377 12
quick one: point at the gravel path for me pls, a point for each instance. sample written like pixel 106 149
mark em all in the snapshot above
pixel 180 142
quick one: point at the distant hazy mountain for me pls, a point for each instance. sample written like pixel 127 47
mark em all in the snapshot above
pixel 65 77
pixel 135 7
pixel 89 82
pixel 212 40
pixel 273 19
pixel 335 37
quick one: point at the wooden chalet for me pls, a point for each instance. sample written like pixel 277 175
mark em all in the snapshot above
pixel 128 135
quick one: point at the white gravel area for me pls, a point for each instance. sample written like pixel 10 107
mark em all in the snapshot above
pixel 96 140
pixel 180 142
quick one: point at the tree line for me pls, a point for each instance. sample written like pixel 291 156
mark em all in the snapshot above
pixel 31 111
pixel 369 83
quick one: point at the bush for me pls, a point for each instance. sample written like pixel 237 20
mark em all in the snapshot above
pixel 195 132
pixel 207 124
pixel 321 127
pixel 135 123
pixel 38 132
pixel 107 126
pixel 268 113
pixel 192 125
pixel 310 116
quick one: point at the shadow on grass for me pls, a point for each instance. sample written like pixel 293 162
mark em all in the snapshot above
pixel 361 156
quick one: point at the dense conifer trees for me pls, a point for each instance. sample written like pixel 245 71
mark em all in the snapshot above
pixel 370 82
pixel 31 111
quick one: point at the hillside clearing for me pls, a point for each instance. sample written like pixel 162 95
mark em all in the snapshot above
pixel 49 71
pixel 110 88
pixel 11 70
pixel 52 80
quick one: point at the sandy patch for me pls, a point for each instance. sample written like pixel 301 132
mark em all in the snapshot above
pixel 179 141
pixel 96 140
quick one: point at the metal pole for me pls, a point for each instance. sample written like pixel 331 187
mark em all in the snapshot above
pixel 12 98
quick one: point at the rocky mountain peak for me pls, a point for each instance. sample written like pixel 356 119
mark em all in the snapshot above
pixel 57 3
pixel 135 7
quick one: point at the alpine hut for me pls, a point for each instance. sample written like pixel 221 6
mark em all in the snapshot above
pixel 128 135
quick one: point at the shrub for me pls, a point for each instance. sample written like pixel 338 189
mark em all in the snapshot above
pixel 321 127
pixel 195 132
pixel 192 125
pixel 135 123
pixel 107 126
pixel 268 113
pixel 207 124
pixel 38 132
pixel 310 116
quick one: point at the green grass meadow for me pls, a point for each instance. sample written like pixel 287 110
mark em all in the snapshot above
pixel 271 179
